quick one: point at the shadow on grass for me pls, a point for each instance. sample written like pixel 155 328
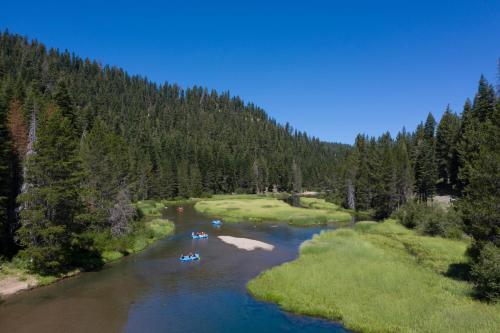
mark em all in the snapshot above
pixel 459 271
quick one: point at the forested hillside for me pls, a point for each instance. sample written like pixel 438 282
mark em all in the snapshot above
pixel 80 137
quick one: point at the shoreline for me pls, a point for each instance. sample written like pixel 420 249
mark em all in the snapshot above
pixel 14 280
pixel 375 277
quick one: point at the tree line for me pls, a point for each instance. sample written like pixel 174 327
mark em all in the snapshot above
pixel 458 156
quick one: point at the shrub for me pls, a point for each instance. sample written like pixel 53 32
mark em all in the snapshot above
pixel 486 272
pixel 430 220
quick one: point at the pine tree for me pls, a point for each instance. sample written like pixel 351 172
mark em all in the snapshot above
pixel 164 184
pixel 467 145
pixel 425 161
pixel 49 220
pixel 425 171
pixel 484 101
pixel 480 172
pixel 446 141
pixel 105 165
pixel 65 102
pixel 361 170
pixel 196 186
pixel 474 120
pixel 297 177
pixel 430 127
pixel 480 210
pixel 403 169
pixel 183 183
pixel 385 199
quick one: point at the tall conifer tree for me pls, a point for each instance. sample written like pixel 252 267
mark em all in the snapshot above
pixel 49 220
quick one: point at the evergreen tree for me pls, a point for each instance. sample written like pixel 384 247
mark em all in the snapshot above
pixel 297 177
pixel 474 120
pixel 64 102
pixel 196 186
pixel 467 145
pixel 49 220
pixel 164 184
pixel 446 141
pixel 362 182
pixel 425 161
pixel 183 181
pixel 479 205
pixel 484 101
pixel 105 164
pixel 385 199
pixel 403 169
pixel 425 171
pixel 430 127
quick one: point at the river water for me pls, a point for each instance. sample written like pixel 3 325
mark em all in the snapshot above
pixel 153 292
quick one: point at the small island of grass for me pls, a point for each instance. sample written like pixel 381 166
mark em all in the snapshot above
pixel 380 278
pixel 266 208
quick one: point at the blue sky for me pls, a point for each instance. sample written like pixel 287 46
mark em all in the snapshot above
pixel 331 68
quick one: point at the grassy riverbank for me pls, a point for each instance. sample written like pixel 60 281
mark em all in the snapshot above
pixel 380 278
pixel 262 208
pixel 144 235
pixel 14 277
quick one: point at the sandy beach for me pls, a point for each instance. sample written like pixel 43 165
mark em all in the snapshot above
pixel 246 243
pixel 13 284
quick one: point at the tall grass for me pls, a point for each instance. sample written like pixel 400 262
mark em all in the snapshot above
pixel 379 278
pixel 183 201
pixel 268 209
pixel 144 234
pixel 150 208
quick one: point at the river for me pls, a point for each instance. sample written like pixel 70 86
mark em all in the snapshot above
pixel 153 292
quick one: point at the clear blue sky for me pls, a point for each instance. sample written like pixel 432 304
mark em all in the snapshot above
pixel 332 68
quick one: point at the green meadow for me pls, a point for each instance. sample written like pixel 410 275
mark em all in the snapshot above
pixel 380 278
pixel 262 208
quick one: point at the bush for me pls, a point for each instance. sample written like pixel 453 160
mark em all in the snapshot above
pixel 486 272
pixel 430 220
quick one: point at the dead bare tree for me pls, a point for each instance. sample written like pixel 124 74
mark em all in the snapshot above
pixel 121 214
pixel 351 200
pixel 297 177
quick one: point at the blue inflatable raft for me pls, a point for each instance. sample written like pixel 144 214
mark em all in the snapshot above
pixel 193 257
pixel 195 236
